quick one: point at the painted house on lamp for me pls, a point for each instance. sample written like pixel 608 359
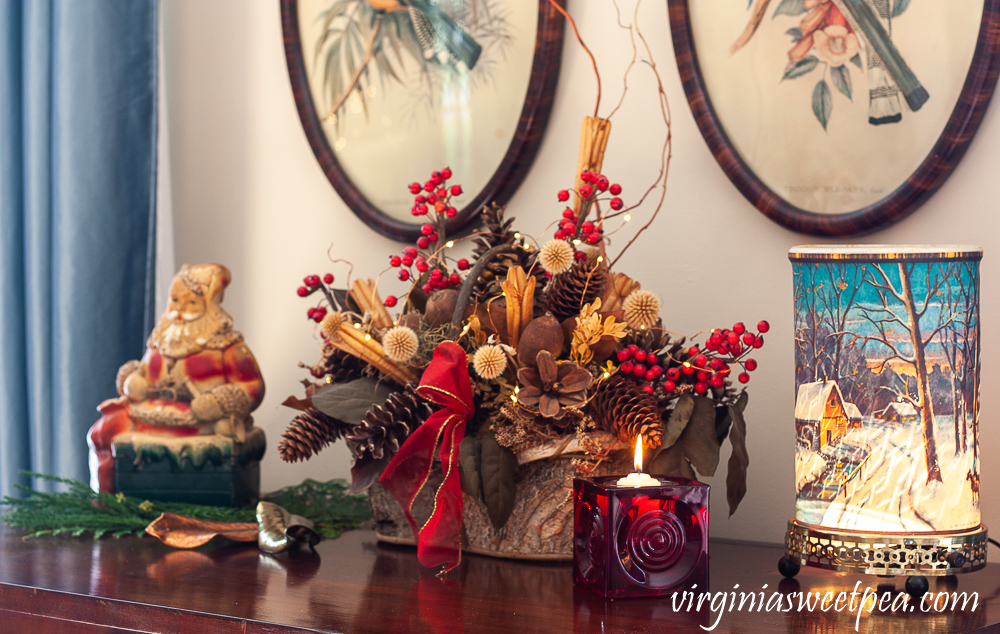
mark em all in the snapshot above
pixel 821 415
pixel 898 412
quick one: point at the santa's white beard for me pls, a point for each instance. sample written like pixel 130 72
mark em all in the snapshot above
pixel 180 339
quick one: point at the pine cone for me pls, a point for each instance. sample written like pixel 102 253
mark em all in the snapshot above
pixel 620 407
pixel 580 285
pixel 387 426
pixel 309 432
pixel 498 233
pixel 341 366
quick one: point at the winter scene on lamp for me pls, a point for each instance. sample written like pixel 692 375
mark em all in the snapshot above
pixel 887 375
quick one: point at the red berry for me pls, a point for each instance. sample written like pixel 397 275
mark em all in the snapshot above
pixel 633 348
pixel 700 388
pixel 717 381
pixel 580 256
pixel 639 370
pixel 657 371
pixel 693 351
pixel 328 278
pixel 420 199
pixel 311 313
pixel 758 342
pixel 463 264
pixel 430 199
pixel 433 237
pixel 427 288
pixel 715 364
pixel 586 176
pixel 669 386
pixel 748 338
pixel 395 260
pixel 616 203
pixel 624 355
pixel 421 209
pixel 446 173
pixel 441 193
pixel 450 212
pixel 403 275
pixel 763 326
pixel 744 377
pixel 588 227
pixel 648 389
pixel 407 260
pixel 429 186
pixel 454 279
pixel 615 189
pixel 390 301
pixel 602 183
pixel 627 367
pixel 436 274
pixel 739 328
pixel 700 360
pixel 640 356
pixel 436 178
pixel 586 190
pixel 302 291
pixel 724 369
pixel 423 242
pixel 456 190
pixel 414 211
pixel 652 359
pixel 750 365
pixel 422 266
pixel 673 374
pixel 733 338
pixel 568 213
pixel 439 207
pixel 594 238
pixel 317 372
pixel 716 338
pixel 702 375
pixel 563 196
pixel 427 229
pixel 312 280
pixel 650 375
pixel 736 348
pixel 415 188
pixel 559 235
pixel 687 369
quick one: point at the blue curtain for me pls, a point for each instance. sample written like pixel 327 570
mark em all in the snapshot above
pixel 78 96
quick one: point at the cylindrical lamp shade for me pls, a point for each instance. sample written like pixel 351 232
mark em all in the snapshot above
pixel 887 388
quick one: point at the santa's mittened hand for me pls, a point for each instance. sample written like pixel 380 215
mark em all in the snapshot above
pixel 136 387
pixel 206 408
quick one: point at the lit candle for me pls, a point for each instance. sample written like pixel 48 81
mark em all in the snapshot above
pixel 638 479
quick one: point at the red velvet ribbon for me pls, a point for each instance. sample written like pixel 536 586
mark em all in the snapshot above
pixel 445 382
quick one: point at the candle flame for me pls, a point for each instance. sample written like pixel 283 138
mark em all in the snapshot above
pixel 637 462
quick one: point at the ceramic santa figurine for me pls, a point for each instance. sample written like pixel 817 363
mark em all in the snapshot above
pixel 190 396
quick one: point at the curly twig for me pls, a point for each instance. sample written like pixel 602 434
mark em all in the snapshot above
pixel 579 39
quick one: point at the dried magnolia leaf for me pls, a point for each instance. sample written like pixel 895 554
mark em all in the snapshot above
pixel 723 422
pixel 699 442
pixel 178 531
pixel 499 467
pixel 295 402
pixel 678 420
pixel 349 402
pixel 739 460
pixel 469 460
pixel 366 471
pixel 671 462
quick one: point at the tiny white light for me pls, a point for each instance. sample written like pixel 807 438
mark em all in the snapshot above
pixel 368 337
pixel 517 236
pixel 577 241
pixel 358 326
pixel 627 217
pixel 449 243
pixel 606 375
pixel 600 258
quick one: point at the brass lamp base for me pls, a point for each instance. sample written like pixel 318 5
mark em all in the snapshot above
pixel 886 554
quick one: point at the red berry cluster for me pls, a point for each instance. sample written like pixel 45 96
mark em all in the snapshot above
pixel 434 194
pixel 710 368
pixel 594 185
pixel 412 265
pixel 641 366
pixel 313 284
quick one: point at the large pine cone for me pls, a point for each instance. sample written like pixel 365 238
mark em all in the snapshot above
pixel 387 426
pixel 341 366
pixel 498 232
pixel 580 285
pixel 619 406
pixel 309 432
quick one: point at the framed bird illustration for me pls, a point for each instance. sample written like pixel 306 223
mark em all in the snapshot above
pixel 837 117
pixel 384 87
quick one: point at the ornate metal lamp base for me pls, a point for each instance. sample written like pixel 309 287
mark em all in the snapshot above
pixel 886 554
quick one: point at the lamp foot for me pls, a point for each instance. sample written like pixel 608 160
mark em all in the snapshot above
pixel 788 568
pixel 917 586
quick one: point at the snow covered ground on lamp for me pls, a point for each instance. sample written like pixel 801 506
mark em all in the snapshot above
pixel 894 495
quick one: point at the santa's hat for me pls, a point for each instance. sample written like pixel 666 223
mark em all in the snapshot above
pixel 207 280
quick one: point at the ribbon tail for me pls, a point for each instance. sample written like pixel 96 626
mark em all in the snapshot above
pixel 409 469
pixel 440 540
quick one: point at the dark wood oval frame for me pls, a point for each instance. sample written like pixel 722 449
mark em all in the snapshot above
pixel 508 175
pixel 915 190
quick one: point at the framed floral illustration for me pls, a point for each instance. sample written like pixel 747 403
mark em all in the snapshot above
pixel 837 117
pixel 386 89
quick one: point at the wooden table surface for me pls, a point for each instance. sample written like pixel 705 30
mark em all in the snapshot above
pixel 353 584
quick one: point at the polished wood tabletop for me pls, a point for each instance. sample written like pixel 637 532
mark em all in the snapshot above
pixel 354 584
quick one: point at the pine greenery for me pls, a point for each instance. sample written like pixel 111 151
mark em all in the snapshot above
pixel 79 509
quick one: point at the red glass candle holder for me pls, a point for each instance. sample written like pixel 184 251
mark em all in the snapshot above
pixel 640 542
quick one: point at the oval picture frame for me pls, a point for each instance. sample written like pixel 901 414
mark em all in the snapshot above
pixel 933 170
pixel 505 179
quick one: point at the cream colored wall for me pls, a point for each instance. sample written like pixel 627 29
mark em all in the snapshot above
pixel 248 193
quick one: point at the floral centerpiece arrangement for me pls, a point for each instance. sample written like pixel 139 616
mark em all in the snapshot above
pixel 518 354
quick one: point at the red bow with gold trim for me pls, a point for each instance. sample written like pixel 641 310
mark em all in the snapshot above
pixel 445 382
